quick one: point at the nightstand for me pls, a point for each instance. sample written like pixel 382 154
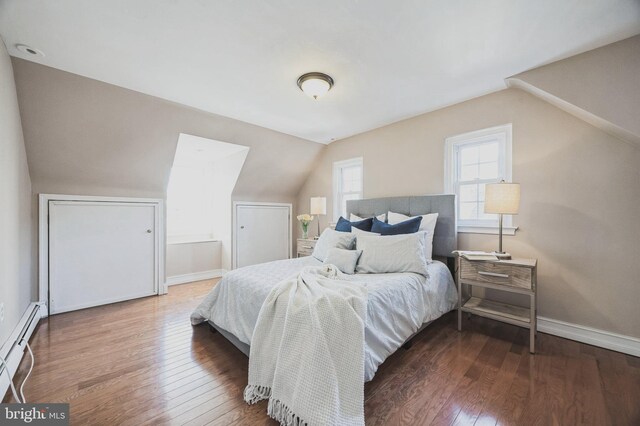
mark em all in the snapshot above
pixel 510 276
pixel 305 247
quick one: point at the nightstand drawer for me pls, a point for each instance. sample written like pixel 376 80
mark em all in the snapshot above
pixel 305 247
pixel 495 273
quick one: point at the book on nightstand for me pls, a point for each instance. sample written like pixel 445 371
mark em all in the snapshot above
pixel 476 255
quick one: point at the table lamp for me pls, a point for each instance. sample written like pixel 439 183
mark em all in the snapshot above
pixel 318 207
pixel 502 198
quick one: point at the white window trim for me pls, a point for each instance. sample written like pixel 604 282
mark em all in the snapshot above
pixel 337 165
pixel 450 172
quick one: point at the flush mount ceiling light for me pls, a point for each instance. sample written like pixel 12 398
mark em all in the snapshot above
pixel 315 84
pixel 31 51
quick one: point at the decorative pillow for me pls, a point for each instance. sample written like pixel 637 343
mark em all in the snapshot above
pixel 381 217
pixel 427 225
pixel 344 225
pixel 392 253
pixel 357 232
pixel 345 260
pixel 332 239
pixel 407 227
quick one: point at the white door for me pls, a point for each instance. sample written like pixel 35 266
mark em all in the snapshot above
pixel 262 233
pixel 100 252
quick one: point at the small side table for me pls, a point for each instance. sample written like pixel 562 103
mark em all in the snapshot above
pixel 306 246
pixel 511 276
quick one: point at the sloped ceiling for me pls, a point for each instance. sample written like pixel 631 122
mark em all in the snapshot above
pixel 87 137
pixel 601 86
pixel 391 60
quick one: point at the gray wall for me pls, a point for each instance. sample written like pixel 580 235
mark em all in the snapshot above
pixel 85 137
pixel 17 257
pixel 580 198
pixel 190 258
pixel 600 86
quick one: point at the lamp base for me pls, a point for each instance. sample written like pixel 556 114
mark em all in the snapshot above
pixel 501 255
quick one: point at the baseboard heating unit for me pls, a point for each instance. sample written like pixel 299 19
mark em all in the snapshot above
pixel 13 349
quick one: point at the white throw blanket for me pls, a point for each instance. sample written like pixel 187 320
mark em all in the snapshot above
pixel 307 350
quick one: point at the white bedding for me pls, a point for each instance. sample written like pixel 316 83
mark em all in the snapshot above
pixel 397 306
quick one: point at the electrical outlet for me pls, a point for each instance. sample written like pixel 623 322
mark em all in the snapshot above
pixel 1 313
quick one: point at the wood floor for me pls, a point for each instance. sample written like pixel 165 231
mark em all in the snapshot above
pixel 141 362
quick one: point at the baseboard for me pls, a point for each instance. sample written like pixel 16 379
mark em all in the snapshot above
pixel 196 276
pixel 13 349
pixel 592 336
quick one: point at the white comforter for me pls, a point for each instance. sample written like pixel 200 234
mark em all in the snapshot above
pixel 397 304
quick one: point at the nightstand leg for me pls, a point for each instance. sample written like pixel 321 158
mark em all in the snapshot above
pixel 459 306
pixel 533 325
pixel 535 298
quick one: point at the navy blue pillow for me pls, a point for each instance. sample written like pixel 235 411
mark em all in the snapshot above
pixel 407 227
pixel 344 225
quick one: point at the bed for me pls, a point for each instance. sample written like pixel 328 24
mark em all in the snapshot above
pixel 399 305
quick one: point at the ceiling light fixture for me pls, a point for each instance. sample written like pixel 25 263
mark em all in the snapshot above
pixel 315 84
pixel 29 50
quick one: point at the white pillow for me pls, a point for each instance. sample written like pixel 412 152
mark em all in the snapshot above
pixel 427 225
pixel 331 239
pixel 345 260
pixel 359 232
pixel 392 253
pixel 354 218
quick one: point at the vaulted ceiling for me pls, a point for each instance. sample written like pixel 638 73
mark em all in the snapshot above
pixel 601 87
pixel 240 59
pixel 87 137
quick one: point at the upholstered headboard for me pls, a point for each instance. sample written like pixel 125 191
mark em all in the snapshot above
pixel 445 239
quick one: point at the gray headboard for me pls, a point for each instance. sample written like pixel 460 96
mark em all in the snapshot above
pixel 445 239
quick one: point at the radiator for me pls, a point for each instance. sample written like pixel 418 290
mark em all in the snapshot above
pixel 13 349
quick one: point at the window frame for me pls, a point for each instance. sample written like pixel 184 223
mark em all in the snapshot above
pixel 338 166
pixel 503 134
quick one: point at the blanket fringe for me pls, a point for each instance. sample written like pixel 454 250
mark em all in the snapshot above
pixel 255 393
pixel 283 414
pixel 276 409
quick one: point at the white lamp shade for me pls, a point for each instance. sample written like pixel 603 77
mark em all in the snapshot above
pixel 318 205
pixel 502 198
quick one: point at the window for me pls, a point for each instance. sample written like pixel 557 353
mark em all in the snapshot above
pixel 347 184
pixel 473 160
pixel 189 206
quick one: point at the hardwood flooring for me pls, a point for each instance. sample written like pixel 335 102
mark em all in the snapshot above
pixel 141 362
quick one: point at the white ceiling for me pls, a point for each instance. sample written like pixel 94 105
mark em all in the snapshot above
pixel 390 59
pixel 198 150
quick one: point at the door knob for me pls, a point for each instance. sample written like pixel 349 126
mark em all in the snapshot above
pixel 242 227
pixel 148 231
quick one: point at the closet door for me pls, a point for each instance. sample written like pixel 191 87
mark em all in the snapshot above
pixel 99 253
pixel 262 233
